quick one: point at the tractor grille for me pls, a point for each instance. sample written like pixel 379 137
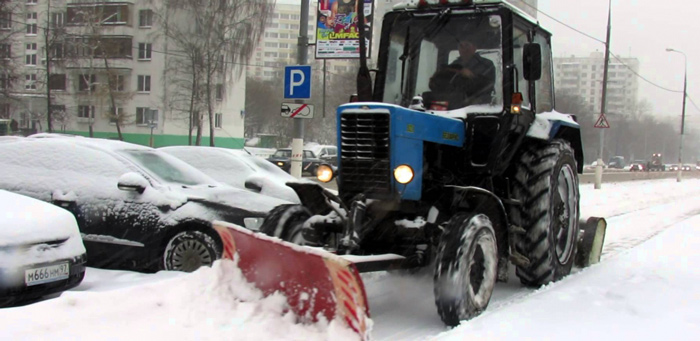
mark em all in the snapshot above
pixel 365 154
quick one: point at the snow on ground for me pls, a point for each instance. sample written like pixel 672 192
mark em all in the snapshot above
pixel 644 288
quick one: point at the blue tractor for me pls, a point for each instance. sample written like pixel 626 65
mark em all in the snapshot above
pixel 464 180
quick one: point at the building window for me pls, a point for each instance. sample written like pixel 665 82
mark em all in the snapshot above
pixel 30 83
pixel 30 55
pixel 5 21
pixel 86 111
pixel 217 120
pixel 5 110
pixel 86 82
pixel 144 51
pixel 57 82
pixel 113 117
pixel 268 44
pixel 57 51
pixel 4 81
pixel 283 45
pixel 31 2
pixel 117 82
pixel 31 29
pixel 145 116
pixel 219 92
pixel 58 19
pixel 31 16
pixel 5 51
pixel 145 18
pixel 144 83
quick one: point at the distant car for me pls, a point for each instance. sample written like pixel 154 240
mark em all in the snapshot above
pixel 41 251
pixel 137 207
pixel 239 169
pixel 282 158
pixel 636 167
pixel 687 167
pixel 327 153
pixel 673 168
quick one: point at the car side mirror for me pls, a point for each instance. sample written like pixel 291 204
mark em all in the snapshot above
pixel 132 182
pixel 532 62
pixel 253 186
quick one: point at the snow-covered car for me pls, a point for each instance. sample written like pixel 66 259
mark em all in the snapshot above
pixel 137 207
pixel 41 251
pixel 239 169
pixel 327 153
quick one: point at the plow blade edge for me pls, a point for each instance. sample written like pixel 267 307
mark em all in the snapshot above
pixel 590 244
pixel 318 284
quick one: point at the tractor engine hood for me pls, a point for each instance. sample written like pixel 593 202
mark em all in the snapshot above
pixel 376 138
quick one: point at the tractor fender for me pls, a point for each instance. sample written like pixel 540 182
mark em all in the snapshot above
pixel 479 200
pixel 555 125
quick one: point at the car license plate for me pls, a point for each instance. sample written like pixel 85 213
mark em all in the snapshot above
pixel 46 274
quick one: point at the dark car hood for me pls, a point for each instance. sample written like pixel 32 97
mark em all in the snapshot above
pixel 229 196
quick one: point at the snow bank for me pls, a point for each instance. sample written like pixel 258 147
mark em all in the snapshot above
pixel 210 304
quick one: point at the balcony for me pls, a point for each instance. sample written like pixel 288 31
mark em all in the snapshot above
pixel 102 13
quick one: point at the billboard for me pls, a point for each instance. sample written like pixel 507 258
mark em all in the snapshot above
pixel 336 29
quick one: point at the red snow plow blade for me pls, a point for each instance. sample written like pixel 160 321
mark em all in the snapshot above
pixel 317 284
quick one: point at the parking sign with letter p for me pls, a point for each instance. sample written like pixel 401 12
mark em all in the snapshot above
pixel 297 81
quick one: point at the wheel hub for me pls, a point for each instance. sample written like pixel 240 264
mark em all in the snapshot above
pixel 190 255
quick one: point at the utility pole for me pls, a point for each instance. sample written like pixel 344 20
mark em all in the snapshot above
pixel 599 166
pixel 302 59
pixel 685 87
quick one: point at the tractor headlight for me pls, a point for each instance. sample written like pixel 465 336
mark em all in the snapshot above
pixel 324 173
pixel 280 163
pixel 403 174
pixel 253 224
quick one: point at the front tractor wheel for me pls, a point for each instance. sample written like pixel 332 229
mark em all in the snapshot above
pixel 189 250
pixel 546 184
pixel 465 268
pixel 286 222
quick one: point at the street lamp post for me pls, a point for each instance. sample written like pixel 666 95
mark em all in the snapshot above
pixel 685 87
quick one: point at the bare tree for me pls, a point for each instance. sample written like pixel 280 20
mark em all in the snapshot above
pixel 217 36
pixel 92 50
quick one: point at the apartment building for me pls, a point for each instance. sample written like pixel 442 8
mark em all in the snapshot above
pixel 583 76
pixel 133 68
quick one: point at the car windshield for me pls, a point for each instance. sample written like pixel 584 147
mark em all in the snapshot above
pixel 167 168
pixel 283 153
pixel 426 52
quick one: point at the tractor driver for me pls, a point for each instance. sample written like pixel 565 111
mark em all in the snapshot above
pixel 467 80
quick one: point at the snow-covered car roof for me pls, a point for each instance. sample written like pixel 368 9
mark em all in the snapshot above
pixel 25 220
pixel 236 167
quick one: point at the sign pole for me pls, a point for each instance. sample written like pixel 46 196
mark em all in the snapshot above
pixel 302 57
pixel 599 166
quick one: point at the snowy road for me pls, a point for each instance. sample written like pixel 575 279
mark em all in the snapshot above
pixel 207 304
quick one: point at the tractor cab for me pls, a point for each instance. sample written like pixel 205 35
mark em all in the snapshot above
pixel 467 57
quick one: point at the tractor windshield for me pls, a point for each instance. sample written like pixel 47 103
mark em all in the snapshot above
pixel 453 61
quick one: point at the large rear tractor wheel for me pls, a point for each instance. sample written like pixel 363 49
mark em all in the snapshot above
pixel 286 222
pixel 546 184
pixel 189 250
pixel 465 268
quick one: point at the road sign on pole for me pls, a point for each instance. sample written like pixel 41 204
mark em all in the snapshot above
pixel 297 110
pixel 602 122
pixel 297 81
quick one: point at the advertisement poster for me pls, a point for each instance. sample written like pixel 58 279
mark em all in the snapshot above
pixel 336 32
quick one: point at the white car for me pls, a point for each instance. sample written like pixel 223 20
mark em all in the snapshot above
pixel 41 251
pixel 239 169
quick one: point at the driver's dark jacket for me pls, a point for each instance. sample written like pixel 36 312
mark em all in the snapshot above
pixel 448 84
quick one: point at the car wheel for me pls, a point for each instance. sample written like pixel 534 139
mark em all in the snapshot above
pixel 189 250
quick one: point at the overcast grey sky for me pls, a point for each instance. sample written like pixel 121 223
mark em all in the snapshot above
pixel 642 29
